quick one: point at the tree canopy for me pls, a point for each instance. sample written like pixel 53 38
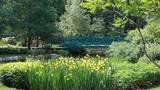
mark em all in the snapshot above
pixel 141 8
pixel 75 21
pixel 31 17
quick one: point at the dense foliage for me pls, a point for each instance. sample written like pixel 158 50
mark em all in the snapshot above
pixel 79 74
pixel 38 22
pixel 132 50
pixel 120 50
pixel 151 33
pixel 28 18
pixel 133 76
pixel 84 74
pixel 14 74
pixel 74 22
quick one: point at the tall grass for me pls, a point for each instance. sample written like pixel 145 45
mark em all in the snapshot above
pixel 71 74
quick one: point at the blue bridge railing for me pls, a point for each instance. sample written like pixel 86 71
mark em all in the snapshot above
pixel 90 42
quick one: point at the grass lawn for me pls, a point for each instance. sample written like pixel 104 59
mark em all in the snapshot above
pixel 155 88
pixel 5 88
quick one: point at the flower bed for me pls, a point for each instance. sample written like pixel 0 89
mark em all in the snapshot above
pixel 79 74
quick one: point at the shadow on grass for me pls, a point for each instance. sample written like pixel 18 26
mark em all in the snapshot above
pixel 155 88
pixel 2 87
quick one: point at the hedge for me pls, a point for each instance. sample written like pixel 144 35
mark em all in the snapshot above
pixel 14 74
pixel 10 51
pixel 134 76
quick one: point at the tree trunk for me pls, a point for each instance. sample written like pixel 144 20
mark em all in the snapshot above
pixel 29 38
pixel 144 48
pixel 37 41
pixel 29 27
pixel 144 44
pixel 143 39
pixel 25 41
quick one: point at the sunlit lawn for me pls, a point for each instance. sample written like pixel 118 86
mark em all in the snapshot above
pixel 5 88
pixel 155 88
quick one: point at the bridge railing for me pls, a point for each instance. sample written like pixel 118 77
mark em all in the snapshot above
pixel 91 42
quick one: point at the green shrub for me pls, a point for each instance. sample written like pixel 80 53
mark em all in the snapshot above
pixel 77 51
pixel 63 52
pixel 60 74
pixel 79 74
pixel 154 51
pixel 37 51
pixel 124 50
pixel 3 43
pixel 18 44
pixel 96 51
pixel 47 47
pixel 151 33
pixel 134 76
pixel 14 74
pixel 10 51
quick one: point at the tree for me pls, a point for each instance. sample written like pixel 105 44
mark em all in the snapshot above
pixel 109 16
pixel 60 7
pixel 98 26
pixel 151 33
pixel 31 17
pixel 2 17
pixel 74 22
pixel 139 8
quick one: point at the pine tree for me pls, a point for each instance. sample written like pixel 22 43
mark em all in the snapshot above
pixel 74 22
pixel 98 26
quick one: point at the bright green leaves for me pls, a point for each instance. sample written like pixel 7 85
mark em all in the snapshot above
pixel 108 4
pixel 93 5
pixel 120 22
pixel 137 8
